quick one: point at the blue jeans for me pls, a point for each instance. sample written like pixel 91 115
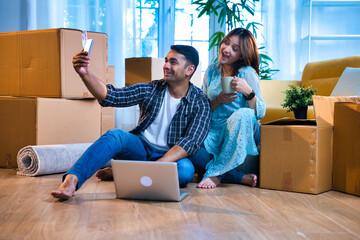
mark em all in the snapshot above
pixel 119 144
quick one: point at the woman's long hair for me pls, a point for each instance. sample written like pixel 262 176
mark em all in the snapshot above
pixel 249 55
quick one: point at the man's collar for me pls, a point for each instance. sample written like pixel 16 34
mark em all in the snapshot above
pixel 188 94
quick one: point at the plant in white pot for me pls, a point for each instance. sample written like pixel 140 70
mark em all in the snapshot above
pixel 297 99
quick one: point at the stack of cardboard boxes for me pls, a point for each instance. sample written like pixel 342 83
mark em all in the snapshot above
pixel 42 99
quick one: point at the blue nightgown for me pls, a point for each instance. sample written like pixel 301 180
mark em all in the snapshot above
pixel 231 136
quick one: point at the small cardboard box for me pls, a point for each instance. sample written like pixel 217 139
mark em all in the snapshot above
pixel 296 155
pixel 39 63
pixel 143 70
pixel 346 166
pixel 108 113
pixel 41 121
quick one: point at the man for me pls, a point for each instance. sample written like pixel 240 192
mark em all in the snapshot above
pixel 175 119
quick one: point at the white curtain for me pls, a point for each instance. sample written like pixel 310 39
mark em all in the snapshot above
pixel 121 25
pixel 282 31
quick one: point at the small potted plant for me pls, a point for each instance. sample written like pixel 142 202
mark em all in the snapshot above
pixel 297 99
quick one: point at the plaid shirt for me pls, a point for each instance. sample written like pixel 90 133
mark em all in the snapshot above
pixel 190 124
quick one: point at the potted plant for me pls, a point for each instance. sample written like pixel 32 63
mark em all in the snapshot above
pixel 297 99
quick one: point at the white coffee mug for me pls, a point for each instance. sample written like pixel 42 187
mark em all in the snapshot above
pixel 226 84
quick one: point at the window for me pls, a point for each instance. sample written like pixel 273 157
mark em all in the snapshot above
pixel 154 39
pixel 91 17
pixel 147 28
pixel 192 30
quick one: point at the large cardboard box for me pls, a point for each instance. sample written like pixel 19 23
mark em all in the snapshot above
pixel 346 166
pixel 39 63
pixel 41 121
pixel 143 70
pixel 296 155
pixel 108 113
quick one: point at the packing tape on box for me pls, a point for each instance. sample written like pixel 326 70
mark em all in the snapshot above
pixel 49 159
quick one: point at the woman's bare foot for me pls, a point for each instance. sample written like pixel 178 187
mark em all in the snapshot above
pixel 105 174
pixel 249 179
pixel 209 182
pixel 67 188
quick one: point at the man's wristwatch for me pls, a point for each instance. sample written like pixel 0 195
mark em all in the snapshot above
pixel 250 96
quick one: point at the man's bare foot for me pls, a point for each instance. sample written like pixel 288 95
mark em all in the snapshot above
pixel 209 182
pixel 67 188
pixel 249 179
pixel 105 174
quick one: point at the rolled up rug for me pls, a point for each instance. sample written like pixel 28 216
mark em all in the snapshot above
pixel 49 159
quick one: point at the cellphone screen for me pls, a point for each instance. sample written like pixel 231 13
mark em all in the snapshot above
pixel 88 46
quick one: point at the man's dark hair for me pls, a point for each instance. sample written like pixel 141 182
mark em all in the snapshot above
pixel 190 53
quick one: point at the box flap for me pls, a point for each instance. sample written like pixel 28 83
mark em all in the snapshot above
pixel 17 128
pixel 71 44
pixel 64 121
pixel 9 64
pixel 39 63
pixel 324 108
pixel 157 68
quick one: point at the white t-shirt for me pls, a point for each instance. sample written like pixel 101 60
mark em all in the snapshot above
pixel 157 132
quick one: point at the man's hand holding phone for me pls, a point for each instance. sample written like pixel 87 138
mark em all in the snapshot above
pixel 81 60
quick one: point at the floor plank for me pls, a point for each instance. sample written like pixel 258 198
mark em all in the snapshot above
pixel 111 216
pixel 27 211
pixel 22 206
pixel 345 216
pixel 349 199
pixel 207 216
pixel 304 220
pixel 66 219
pixel 260 222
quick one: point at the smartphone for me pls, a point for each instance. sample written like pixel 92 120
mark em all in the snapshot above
pixel 88 46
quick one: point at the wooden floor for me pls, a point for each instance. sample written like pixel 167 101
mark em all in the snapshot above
pixel 27 211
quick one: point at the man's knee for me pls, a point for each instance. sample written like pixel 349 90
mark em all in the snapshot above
pixel 186 171
pixel 115 134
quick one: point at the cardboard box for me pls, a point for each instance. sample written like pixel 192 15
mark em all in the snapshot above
pixel 41 121
pixel 39 63
pixel 346 165
pixel 107 119
pixel 108 113
pixel 296 155
pixel 143 70
pixel 111 75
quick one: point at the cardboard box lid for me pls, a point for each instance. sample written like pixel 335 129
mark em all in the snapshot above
pixel 324 108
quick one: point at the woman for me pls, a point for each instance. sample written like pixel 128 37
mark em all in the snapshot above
pixel 234 132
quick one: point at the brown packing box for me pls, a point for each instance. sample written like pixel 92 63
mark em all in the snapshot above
pixel 346 166
pixel 39 63
pixel 41 121
pixel 296 155
pixel 108 113
pixel 143 70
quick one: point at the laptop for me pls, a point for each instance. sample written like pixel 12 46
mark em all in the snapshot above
pixel 147 180
pixel 348 84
